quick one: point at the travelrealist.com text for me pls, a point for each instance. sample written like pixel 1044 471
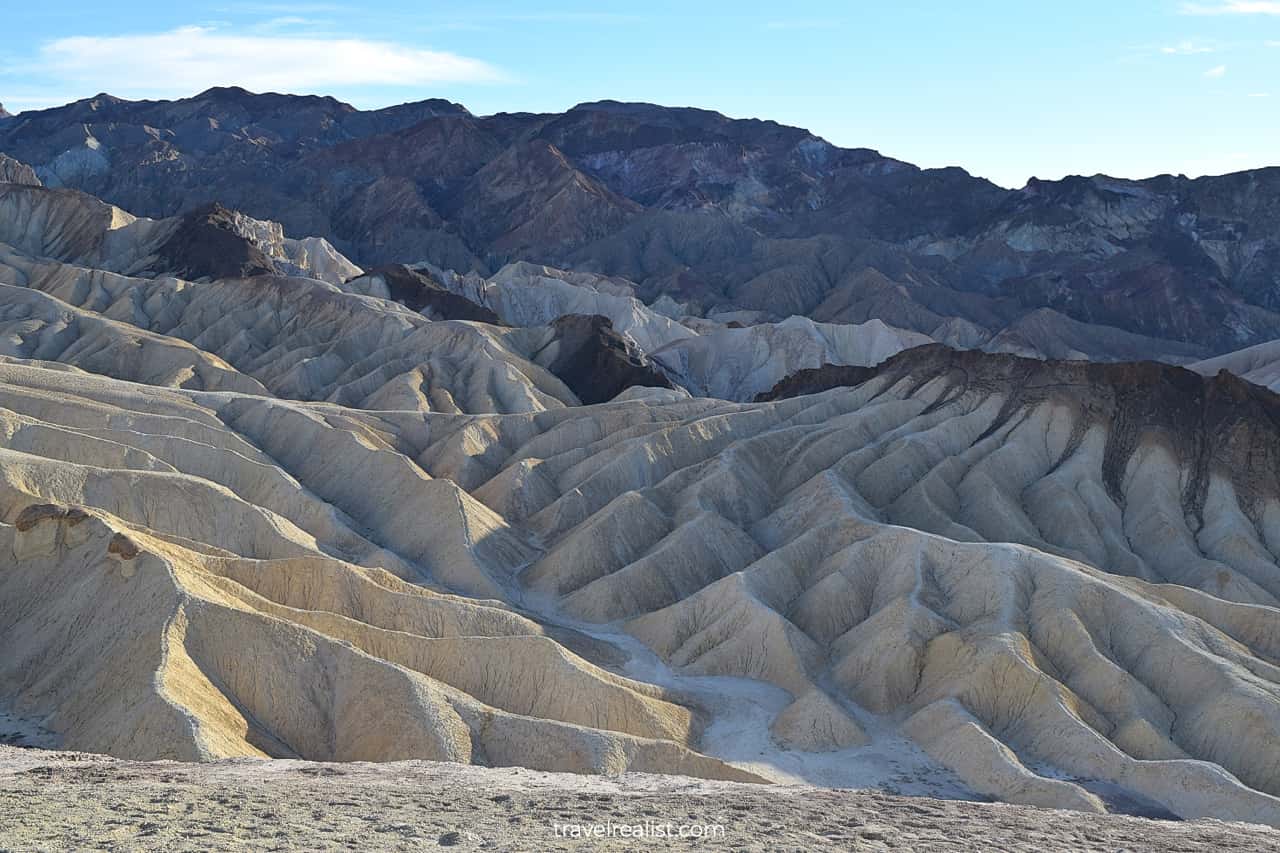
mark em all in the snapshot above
pixel 648 829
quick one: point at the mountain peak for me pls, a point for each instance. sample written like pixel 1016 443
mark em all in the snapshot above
pixel 224 92
pixel 240 95
pixel 609 105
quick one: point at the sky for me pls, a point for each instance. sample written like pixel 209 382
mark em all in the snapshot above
pixel 1006 90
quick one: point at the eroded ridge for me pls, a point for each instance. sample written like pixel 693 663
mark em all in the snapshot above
pixel 1049 575
pixel 1058 580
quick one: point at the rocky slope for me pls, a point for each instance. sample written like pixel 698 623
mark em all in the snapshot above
pixel 592 358
pixel 14 172
pixel 419 291
pixel 289 337
pixel 706 357
pixel 524 294
pixel 719 214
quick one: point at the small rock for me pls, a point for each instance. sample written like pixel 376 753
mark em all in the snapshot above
pixel 123 547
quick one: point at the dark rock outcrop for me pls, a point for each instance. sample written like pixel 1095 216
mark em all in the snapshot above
pixel 814 380
pixel 1218 421
pixel 596 362
pixel 417 290
pixel 207 244
pixel 36 513
pixel 123 546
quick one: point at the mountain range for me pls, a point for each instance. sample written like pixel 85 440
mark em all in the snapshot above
pixel 735 218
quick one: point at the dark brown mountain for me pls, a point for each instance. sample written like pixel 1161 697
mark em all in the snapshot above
pixel 207 244
pixel 815 380
pixel 718 213
pixel 418 290
pixel 596 362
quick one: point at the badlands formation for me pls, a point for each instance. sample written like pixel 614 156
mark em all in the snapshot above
pixel 295 513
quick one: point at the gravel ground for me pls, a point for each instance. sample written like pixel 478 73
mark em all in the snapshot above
pixel 70 801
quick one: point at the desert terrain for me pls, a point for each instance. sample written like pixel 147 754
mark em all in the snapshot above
pixel 445 550
pixel 72 801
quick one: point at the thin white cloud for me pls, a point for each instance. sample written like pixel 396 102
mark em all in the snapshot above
pixel 297 26
pixel 190 59
pixel 287 21
pixel 1216 71
pixel 1259 94
pixel 1186 48
pixel 1233 7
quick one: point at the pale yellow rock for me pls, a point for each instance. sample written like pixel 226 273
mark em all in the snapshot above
pixel 201 667
pixel 954 737
pixel 816 723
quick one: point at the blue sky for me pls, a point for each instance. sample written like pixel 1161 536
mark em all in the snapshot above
pixel 1007 90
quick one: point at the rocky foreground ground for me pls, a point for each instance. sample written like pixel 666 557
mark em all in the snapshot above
pixel 73 801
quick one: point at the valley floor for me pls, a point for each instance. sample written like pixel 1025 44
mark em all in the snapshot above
pixel 73 801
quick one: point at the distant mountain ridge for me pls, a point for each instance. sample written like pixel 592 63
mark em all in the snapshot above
pixel 720 215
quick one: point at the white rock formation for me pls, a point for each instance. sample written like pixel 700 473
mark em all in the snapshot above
pixel 705 357
pixel 738 364
pixel 310 257
pixel 816 723
pixel 524 294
